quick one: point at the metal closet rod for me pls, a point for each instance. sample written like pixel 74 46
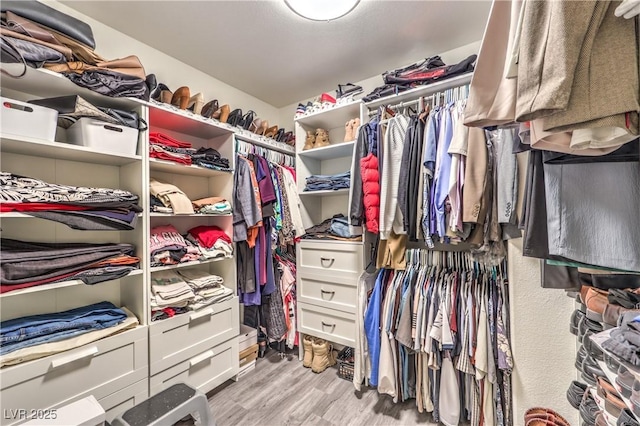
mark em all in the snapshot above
pixel 403 104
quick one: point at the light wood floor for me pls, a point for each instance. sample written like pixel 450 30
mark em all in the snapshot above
pixel 283 392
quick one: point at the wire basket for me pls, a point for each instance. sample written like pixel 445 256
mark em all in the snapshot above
pixel 346 363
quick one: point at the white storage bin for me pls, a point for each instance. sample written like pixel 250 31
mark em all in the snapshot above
pixel 103 137
pixel 27 120
pixel 247 338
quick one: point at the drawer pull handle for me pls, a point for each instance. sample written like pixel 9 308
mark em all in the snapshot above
pixel 86 353
pixel 323 291
pixel 204 313
pixel 326 259
pixel 200 358
pixel 324 324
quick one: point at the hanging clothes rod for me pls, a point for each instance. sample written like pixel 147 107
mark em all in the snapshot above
pixel 452 93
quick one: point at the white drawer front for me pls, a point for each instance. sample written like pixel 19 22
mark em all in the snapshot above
pixel 335 326
pixel 335 293
pixel 100 369
pixel 184 336
pixel 205 371
pixel 330 257
pixel 119 402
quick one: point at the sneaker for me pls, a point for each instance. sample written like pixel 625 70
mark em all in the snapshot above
pixel 348 90
pixel 300 110
pixel 327 101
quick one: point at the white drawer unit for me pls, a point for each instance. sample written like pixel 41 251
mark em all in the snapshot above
pixel 330 324
pixel 119 402
pixel 204 371
pixel 330 291
pixel 184 336
pixel 101 368
pixel 331 256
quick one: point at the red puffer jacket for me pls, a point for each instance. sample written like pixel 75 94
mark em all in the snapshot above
pixel 371 192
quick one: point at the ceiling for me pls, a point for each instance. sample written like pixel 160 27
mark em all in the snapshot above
pixel 264 49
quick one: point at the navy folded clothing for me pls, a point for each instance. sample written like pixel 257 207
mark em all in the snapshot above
pixel 328 182
pixel 33 330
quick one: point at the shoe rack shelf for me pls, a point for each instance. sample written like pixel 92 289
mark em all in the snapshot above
pixel 186 122
pixel 62 151
pixel 420 91
pixel 329 117
pixel 335 150
pixel 611 375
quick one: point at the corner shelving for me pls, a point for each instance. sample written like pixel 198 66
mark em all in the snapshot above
pixel 327 118
pixel 330 152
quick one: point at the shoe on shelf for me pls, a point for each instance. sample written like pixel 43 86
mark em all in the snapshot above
pixel 348 131
pixel 589 409
pixel 300 111
pixel 310 141
pixel 181 97
pixel 235 117
pixel 310 107
pixel 348 90
pixel 544 415
pixel 575 393
pixel 222 113
pixel 271 132
pixel 264 125
pixel 327 101
pixel 322 138
pixel 625 381
pixel 209 108
pixel 627 419
pixel 307 344
pixel 196 102
pixel 576 317
pixel 255 125
pixel 596 300
pixel 279 135
pixel 289 139
pixel 580 356
pixel 247 120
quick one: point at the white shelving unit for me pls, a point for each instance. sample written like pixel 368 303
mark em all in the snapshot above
pixel 113 369
pixel 337 150
pixel 123 369
pixel 326 193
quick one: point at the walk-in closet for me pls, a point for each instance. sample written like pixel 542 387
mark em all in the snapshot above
pixel 320 212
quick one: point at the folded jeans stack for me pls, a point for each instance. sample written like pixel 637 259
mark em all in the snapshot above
pixel 76 206
pixel 47 328
pixel 26 264
pixel 328 182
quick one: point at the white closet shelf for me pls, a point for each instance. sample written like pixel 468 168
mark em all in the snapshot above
pixel 55 286
pixel 192 170
pixel 331 118
pixel 155 214
pixel 187 264
pixel 426 90
pixel 47 84
pixel 313 240
pixel 258 140
pixel 62 151
pixel 611 376
pixel 186 122
pixel 325 193
pixel 337 150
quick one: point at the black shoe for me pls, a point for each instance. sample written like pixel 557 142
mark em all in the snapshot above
pixel 587 324
pixel 591 370
pixel 589 410
pixel 576 317
pixel 582 353
pixel 348 89
pixel 575 393
pixel 627 419
pixel 592 348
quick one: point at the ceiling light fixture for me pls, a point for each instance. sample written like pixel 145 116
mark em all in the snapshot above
pixel 322 10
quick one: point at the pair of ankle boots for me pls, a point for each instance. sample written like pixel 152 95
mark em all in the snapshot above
pixel 318 354
pixel 318 139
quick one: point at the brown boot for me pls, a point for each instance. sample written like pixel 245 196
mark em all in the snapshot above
pixel 322 138
pixel 310 142
pixel 348 131
pixel 307 344
pixel 322 356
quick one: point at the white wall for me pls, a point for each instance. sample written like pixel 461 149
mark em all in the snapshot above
pixel 113 44
pixel 543 349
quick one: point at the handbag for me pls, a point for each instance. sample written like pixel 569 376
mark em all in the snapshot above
pixel 130 65
pixel 73 107
pixel 110 83
pixel 31 53
pixel 52 18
